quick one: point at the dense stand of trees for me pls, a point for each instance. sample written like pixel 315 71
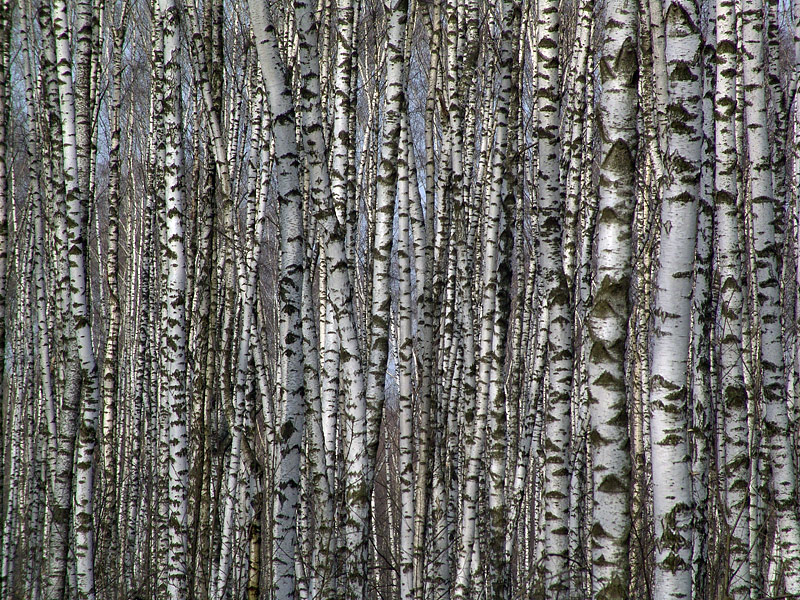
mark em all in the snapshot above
pixel 399 299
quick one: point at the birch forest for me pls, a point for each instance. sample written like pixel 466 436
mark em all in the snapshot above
pixel 399 299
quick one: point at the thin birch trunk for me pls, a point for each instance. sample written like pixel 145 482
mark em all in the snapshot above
pixel 765 217
pixel 728 322
pixel 405 342
pixel 174 360
pixel 555 293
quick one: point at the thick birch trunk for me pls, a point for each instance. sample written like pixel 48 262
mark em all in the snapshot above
pixel 290 293
pixel 76 140
pixel 669 347
pixel 608 315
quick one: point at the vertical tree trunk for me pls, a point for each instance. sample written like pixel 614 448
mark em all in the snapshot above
pixel 76 140
pixel 111 371
pixel 735 470
pixel 290 294
pixel 669 347
pixel 405 341
pixel 700 395
pixel 174 359
pixel 772 388
pixel 5 59
pixel 555 293
pixel 608 315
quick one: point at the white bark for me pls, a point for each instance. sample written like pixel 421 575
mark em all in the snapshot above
pixel 290 291
pixel 765 219
pixel 728 322
pixel 555 293
pixel 405 399
pixel 174 359
pixel 76 139
pixel 672 492
pixel 607 318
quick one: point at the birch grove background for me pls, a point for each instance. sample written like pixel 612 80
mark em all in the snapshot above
pixel 399 299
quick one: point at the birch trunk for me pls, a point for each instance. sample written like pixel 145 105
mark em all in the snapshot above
pixel 555 293
pixel 765 219
pixel 606 321
pixel 76 141
pixel 111 371
pixel 669 346
pixel 736 467
pixel 290 294
pixel 5 37
pixel 405 398
pixel 380 304
pixel 174 359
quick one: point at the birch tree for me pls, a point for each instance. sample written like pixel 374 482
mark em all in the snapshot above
pixel 76 141
pixel 669 346
pixel 174 367
pixel 555 291
pixel 609 312
pixel 730 306
pixel 764 245
pixel 291 247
